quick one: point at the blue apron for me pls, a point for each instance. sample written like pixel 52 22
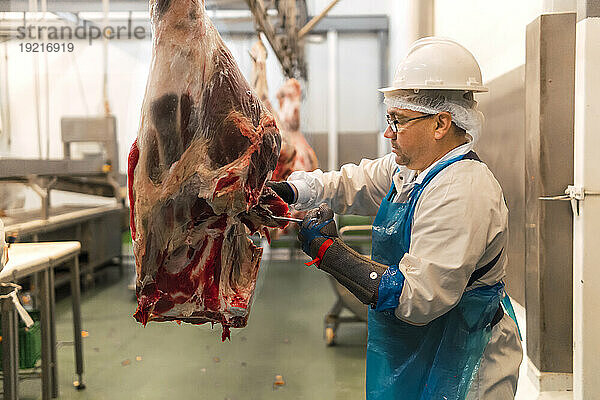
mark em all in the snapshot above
pixel 434 361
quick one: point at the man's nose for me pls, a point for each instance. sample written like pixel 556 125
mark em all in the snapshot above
pixel 389 134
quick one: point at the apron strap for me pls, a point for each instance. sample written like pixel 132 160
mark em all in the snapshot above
pixel 498 316
pixel 393 190
pixel 471 155
pixel 480 272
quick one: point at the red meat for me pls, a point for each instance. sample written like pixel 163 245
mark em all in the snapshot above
pixel 205 147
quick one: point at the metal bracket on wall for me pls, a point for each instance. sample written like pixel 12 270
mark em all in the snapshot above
pixel 42 188
pixel 284 34
pixel 574 194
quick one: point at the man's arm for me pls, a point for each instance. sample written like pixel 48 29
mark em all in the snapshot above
pixel 354 189
pixel 319 238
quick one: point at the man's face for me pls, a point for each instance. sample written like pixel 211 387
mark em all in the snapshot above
pixel 412 141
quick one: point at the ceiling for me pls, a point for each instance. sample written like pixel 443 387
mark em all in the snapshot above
pixel 115 5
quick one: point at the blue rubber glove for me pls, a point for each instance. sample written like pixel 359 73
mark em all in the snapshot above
pixel 317 225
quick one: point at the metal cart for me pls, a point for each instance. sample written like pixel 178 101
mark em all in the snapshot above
pixel 345 299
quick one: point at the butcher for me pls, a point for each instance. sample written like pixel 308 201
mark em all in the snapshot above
pixel 440 323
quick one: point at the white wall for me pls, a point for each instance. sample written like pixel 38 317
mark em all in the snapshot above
pixel 358 99
pixel 4 121
pixel 352 7
pixel 75 89
pixel 397 12
pixel 358 80
pixel 493 31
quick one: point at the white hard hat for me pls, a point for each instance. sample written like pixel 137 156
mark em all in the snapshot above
pixel 437 63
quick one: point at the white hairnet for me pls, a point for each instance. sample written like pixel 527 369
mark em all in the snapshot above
pixel 458 103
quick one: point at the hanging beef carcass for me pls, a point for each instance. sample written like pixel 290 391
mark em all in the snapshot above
pixel 287 156
pixel 196 172
pixel 296 154
pixel 258 53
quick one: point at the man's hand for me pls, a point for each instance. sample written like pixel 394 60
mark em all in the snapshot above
pixel 317 226
pixel 356 272
pixel 285 190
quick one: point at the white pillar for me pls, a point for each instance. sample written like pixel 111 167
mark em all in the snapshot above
pixel 409 20
pixel 5 129
pixel 383 144
pixel 586 251
pixel 550 6
pixel 332 137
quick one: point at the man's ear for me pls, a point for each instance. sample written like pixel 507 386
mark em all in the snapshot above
pixel 443 122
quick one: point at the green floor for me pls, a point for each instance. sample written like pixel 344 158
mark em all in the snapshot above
pixel 284 336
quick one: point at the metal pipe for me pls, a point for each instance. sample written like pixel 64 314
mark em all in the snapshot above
pixel 383 145
pixel 315 20
pixel 421 18
pixel 76 299
pixel 43 193
pixel 53 357
pixel 264 25
pixel 46 334
pixel 47 95
pixel 586 223
pixel 10 346
pixel 36 80
pixel 46 84
pixel 105 10
pixel 332 142
pixel 6 123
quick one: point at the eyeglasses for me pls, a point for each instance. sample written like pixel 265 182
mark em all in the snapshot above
pixel 396 126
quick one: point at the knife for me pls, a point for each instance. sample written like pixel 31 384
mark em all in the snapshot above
pixel 290 219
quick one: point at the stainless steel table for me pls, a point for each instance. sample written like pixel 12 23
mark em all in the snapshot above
pixel 31 259
pixel 94 226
